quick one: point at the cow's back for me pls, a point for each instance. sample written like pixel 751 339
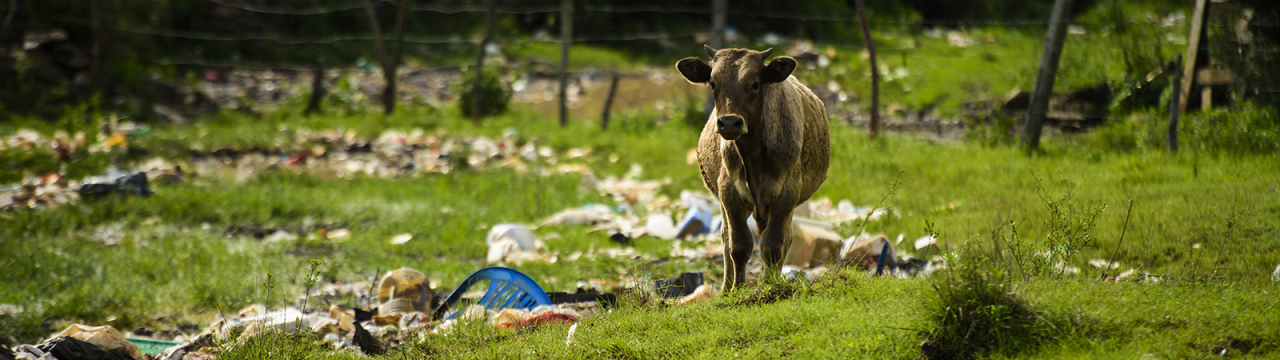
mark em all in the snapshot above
pixel 816 153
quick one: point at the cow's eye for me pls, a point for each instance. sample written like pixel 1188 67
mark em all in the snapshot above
pixel 713 85
pixel 755 86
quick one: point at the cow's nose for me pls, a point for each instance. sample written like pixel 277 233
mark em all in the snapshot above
pixel 729 124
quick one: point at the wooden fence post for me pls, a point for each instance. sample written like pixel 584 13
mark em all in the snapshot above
pixel 1048 70
pixel 1193 52
pixel 1174 106
pixel 608 103
pixel 874 125
pixel 566 36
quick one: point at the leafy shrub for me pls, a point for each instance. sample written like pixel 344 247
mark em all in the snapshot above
pixel 691 113
pixel 1249 129
pixel 495 94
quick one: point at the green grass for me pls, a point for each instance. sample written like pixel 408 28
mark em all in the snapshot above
pixel 172 272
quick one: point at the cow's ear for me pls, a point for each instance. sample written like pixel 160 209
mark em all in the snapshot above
pixel 694 70
pixel 778 70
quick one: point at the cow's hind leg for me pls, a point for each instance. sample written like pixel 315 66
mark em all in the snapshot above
pixel 738 241
pixel 776 237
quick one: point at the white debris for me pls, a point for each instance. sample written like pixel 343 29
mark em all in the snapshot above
pixel 660 225
pixel 1101 264
pixel 521 235
pixel 572 329
pixel 280 236
pixel 401 239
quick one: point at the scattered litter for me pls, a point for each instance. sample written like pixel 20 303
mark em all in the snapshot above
pixel 812 246
pixel 1065 269
pixel 696 222
pixel 129 184
pixel 403 290
pixel 280 236
pixel 338 234
pixel 569 339
pixel 64 347
pixel 549 318
pixel 927 245
pixel 958 39
pixel 401 239
pixel 1275 277
pixel 660 225
pixel 1103 264
pixel 578 217
pixel 864 251
pixel 1124 275
pixel 684 285
pixel 10 309
pixel 702 293
pixel 521 235
pixel 105 337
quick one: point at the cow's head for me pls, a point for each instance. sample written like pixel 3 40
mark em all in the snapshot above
pixel 737 78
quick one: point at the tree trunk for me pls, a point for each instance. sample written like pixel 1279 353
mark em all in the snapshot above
pixel 566 37
pixel 8 23
pixel 317 90
pixel 874 125
pixel 1048 70
pixel 98 65
pixel 477 88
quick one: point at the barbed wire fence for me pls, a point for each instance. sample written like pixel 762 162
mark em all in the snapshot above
pixel 565 41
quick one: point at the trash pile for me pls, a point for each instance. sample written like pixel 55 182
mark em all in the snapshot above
pixel 341 154
pixel 406 306
pixel 51 190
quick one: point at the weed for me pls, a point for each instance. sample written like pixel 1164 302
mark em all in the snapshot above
pixel 1069 229
pixel 495 94
pixel 313 276
pixel 976 313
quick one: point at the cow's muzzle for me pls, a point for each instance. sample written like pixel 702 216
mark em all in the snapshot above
pixel 731 127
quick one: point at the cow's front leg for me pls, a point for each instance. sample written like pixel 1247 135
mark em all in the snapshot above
pixel 738 242
pixel 776 238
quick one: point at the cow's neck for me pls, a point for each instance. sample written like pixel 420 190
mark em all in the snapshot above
pixel 750 144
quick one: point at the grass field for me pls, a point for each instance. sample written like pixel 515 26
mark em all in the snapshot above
pixel 1203 222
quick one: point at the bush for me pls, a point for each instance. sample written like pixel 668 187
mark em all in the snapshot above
pixel 1249 129
pixel 691 113
pixel 495 94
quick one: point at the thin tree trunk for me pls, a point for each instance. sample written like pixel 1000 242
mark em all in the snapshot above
pixel 1048 71
pixel 8 22
pixel 98 66
pixel 379 49
pixel 874 125
pixel 389 69
pixel 608 103
pixel 566 37
pixel 477 89
pixel 317 90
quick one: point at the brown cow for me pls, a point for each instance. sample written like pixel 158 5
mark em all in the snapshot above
pixel 763 151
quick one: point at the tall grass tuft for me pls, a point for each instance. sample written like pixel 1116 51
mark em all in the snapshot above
pixel 977 313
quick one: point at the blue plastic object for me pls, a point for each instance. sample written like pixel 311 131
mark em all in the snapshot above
pixel 884 252
pixel 696 222
pixel 508 289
